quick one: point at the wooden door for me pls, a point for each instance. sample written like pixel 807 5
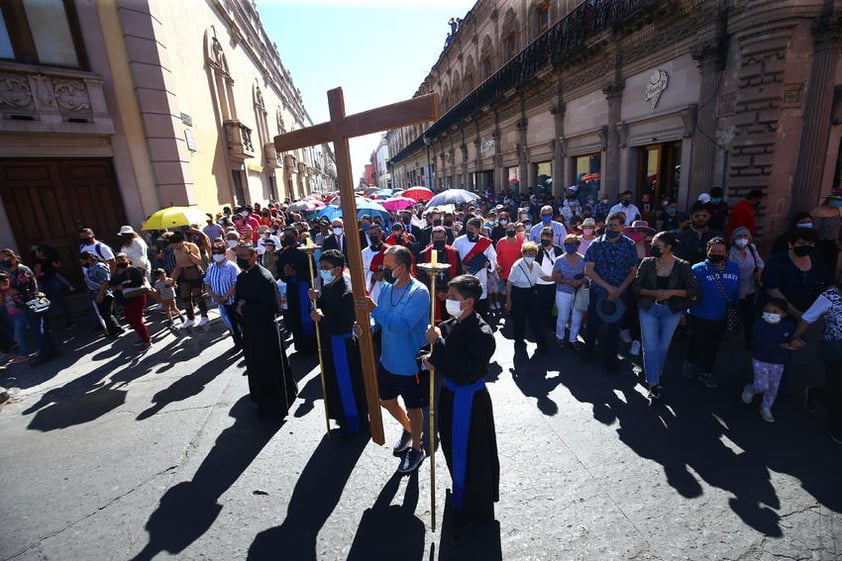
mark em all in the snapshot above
pixel 49 200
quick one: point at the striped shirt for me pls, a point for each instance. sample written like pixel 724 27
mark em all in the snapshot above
pixel 220 277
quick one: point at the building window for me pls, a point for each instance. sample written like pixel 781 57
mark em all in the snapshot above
pixel 542 17
pixel 510 45
pixel 41 32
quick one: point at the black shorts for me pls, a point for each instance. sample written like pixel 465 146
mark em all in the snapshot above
pixel 410 388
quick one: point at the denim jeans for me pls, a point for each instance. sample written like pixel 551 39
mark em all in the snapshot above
pixel 19 322
pixel 657 325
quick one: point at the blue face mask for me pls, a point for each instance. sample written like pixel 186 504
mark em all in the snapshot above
pixel 626 202
pixel 716 200
pixel 546 219
pixel 327 276
pixel 570 248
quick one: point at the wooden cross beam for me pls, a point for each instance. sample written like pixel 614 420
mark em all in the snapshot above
pixel 338 130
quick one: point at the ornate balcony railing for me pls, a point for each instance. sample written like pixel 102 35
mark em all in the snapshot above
pixel 238 137
pixel 560 44
pixel 45 99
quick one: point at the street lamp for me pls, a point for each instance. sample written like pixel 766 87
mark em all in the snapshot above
pixel 429 178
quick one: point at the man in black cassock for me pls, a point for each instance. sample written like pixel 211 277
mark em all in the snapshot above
pixel 294 270
pixel 270 379
pixel 334 316
pixel 461 349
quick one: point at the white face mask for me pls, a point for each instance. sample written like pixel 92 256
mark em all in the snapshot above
pixel 529 260
pixel 453 307
pixel 232 243
pixel 337 231
pixel 219 258
pixel 769 317
pixel 741 242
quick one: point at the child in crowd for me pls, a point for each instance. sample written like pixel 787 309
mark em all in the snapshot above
pixel 165 288
pixel 771 352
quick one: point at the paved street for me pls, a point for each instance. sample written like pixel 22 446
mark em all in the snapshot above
pixel 112 455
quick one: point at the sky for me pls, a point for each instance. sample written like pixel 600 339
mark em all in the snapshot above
pixel 378 51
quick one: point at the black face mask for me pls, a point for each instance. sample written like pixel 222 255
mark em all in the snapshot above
pixel 448 223
pixel 437 222
pixel 472 237
pixel 625 202
pixel 546 243
pixel 612 234
pixel 510 233
pixel 439 244
pixel 717 258
pixel 655 251
pixel 122 266
pixel 290 241
pixel 802 250
pixel 374 240
pixel 87 241
pixel 243 263
pixel 406 220
pixel 388 276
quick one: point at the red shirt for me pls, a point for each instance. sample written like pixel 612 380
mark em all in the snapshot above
pixel 507 253
pixel 741 215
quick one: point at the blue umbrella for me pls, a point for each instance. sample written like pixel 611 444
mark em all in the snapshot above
pixel 452 197
pixel 364 206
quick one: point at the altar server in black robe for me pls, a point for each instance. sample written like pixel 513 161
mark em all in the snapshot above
pixel 461 349
pixel 294 270
pixel 270 379
pixel 334 316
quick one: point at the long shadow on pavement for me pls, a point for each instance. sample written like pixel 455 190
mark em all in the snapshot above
pixel 388 531
pixel 187 510
pixel 316 494
pixel 689 429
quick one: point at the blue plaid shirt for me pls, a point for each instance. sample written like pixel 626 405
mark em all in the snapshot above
pixel 612 260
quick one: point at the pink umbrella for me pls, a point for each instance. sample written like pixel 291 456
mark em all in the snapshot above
pixel 398 203
pixel 418 194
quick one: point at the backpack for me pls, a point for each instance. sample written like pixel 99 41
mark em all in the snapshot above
pixel 97 251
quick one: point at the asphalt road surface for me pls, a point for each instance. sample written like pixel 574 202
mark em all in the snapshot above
pixel 109 454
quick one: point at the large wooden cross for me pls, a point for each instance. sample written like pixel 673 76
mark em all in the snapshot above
pixel 338 130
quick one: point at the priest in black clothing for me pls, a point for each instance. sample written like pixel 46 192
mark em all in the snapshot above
pixel 294 270
pixel 334 316
pixel 270 379
pixel 461 349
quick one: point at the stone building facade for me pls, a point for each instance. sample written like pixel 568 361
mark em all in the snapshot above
pixel 111 110
pixel 661 97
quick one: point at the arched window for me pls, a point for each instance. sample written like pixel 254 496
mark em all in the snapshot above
pixel 541 17
pixel 486 57
pixel 509 39
pixel 470 75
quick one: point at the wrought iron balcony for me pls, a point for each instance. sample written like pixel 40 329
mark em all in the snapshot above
pixel 561 44
pixel 46 99
pixel 238 137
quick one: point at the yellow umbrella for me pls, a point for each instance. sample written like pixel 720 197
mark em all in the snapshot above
pixel 175 216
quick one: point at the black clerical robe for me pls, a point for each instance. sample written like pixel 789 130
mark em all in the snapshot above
pixel 466 419
pixel 341 358
pixel 297 315
pixel 270 379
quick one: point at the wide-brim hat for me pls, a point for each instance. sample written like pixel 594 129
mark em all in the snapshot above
pixel 126 230
pixel 609 311
pixel 640 226
pixel 589 222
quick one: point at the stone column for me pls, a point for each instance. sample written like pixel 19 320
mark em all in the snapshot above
pixel 523 156
pixel 807 185
pixel 711 61
pixel 614 94
pixel 559 143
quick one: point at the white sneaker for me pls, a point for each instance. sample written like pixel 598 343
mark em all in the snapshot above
pixel 766 415
pixel 204 321
pixel 187 324
pixel 635 348
pixel 747 394
pixel 625 336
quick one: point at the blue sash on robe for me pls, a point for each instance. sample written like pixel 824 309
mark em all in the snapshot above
pixel 342 369
pixel 308 326
pixel 463 403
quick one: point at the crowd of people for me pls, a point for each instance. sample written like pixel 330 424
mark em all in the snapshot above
pixel 577 272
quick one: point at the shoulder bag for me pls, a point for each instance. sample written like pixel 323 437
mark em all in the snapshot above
pixel 732 315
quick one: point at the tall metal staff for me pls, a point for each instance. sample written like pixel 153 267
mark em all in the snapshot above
pixel 433 268
pixel 310 249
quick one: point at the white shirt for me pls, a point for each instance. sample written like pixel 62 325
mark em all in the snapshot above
pixel 463 247
pixel 521 277
pixel 632 212
pixel 368 257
